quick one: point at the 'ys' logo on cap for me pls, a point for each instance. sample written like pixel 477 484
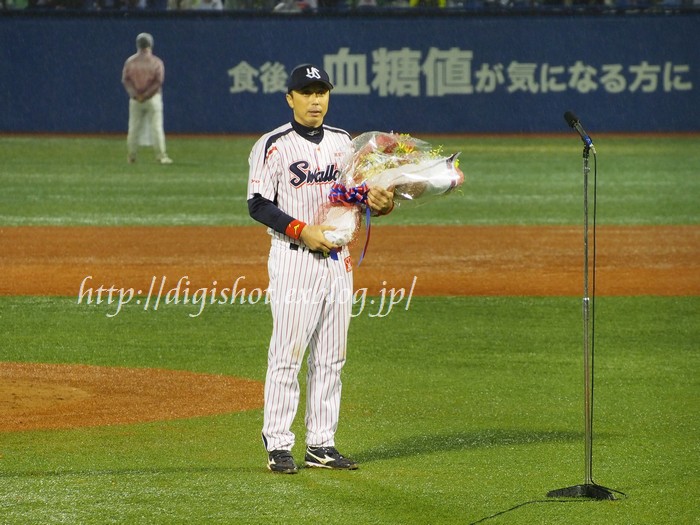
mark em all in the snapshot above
pixel 312 72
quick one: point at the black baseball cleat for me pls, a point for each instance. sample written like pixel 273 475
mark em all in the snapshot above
pixel 282 462
pixel 328 457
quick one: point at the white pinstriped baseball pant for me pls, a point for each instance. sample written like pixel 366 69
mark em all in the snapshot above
pixel 311 299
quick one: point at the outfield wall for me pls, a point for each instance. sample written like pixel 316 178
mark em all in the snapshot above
pixel 225 73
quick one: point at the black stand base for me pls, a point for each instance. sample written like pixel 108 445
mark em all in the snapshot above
pixel 586 490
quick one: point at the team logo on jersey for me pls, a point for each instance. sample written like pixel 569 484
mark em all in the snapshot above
pixel 348 264
pixel 301 174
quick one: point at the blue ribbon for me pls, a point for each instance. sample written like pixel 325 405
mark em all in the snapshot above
pixel 341 194
pixel 368 215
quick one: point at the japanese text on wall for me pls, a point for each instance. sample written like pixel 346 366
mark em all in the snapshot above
pixel 411 73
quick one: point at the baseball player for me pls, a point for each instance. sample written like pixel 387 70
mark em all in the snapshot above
pixel 142 76
pixel 291 171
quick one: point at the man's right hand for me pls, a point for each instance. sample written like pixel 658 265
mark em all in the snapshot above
pixel 312 236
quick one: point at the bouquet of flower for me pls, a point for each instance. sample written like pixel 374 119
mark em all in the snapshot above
pixel 412 167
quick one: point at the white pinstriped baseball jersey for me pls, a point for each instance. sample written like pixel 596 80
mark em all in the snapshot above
pixel 295 173
pixel 311 295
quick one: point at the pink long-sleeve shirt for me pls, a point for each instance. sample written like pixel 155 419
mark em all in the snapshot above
pixel 143 75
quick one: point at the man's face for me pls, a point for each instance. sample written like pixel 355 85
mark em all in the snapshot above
pixel 310 104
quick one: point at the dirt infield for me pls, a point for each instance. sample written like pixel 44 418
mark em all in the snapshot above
pixel 440 260
pixel 43 396
pixel 446 260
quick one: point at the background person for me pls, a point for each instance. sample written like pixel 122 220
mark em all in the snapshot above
pixel 143 76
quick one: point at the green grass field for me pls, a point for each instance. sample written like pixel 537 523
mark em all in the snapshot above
pixel 460 409
pixel 82 181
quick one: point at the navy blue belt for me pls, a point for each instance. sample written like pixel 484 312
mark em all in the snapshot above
pixel 296 247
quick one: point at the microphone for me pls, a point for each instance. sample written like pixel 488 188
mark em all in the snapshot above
pixel 573 121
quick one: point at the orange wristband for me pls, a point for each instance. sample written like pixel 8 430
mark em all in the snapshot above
pixel 294 228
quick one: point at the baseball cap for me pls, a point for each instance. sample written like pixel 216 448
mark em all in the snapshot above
pixel 144 40
pixel 305 75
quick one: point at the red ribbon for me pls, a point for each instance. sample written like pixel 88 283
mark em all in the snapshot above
pixel 340 194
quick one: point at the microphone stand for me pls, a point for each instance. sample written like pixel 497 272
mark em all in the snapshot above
pixel 589 489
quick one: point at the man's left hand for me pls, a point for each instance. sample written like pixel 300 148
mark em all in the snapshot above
pixel 381 201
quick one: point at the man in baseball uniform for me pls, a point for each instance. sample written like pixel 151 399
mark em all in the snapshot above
pixel 291 171
pixel 143 76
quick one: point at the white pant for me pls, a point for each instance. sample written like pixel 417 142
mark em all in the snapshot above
pixel 311 299
pixel 142 114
